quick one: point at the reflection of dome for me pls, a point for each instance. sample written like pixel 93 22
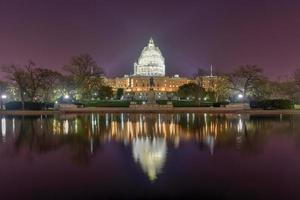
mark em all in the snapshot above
pixel 151 62
pixel 151 155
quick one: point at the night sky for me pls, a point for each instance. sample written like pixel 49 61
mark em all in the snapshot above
pixel 190 33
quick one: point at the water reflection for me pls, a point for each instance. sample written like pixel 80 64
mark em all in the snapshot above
pixel 148 135
pixel 3 128
pixel 151 154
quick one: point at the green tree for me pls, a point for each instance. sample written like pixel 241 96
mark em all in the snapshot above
pixel 120 92
pixel 105 92
pixel 191 90
pixel 219 87
pixel 91 87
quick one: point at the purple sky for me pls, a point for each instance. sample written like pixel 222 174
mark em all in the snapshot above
pixel 190 33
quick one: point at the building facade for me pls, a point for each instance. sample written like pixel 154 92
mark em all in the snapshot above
pixel 144 83
pixel 151 62
pixel 149 74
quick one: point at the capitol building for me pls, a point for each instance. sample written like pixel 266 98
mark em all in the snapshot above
pixel 149 73
pixel 151 62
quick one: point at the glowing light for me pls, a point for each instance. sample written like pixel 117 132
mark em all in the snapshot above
pixel 150 154
pixel 3 96
pixel 240 125
pixel 151 62
pixel 66 96
pixel 3 126
pixel 240 96
pixel 66 127
pixel 13 125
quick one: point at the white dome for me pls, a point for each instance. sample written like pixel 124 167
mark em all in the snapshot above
pixel 151 62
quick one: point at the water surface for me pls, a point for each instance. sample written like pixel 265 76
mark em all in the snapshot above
pixel 150 155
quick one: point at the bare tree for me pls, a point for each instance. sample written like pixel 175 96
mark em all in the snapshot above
pixel 246 79
pixel 18 76
pixel 83 70
pixel 49 80
pixel 33 80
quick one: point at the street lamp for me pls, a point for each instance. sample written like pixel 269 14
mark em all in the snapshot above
pixel 3 97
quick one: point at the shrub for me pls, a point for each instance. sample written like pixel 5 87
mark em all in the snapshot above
pixel 107 104
pixel 185 104
pixel 217 104
pixel 198 104
pixel 206 104
pixel 17 105
pixel 272 104
pixel 162 102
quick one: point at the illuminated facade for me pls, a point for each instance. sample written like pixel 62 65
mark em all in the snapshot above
pixel 151 62
pixel 149 74
pixel 143 83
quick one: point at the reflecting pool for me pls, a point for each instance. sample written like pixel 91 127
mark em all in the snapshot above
pixel 150 155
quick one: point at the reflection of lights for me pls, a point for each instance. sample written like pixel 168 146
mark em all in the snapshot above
pixel 76 125
pixel 56 126
pixel 150 154
pixel 3 127
pixel 13 125
pixel 210 141
pixel 205 121
pixel 66 126
pixel 106 120
pixel 93 123
pixel 122 121
pixel 240 125
pixel 91 145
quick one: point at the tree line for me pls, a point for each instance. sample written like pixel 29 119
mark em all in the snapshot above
pixel 82 79
pixel 247 82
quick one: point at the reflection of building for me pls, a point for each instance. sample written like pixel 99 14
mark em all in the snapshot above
pixel 150 153
pixel 152 137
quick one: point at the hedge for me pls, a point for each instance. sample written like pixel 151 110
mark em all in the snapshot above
pixel 105 103
pixel 197 104
pixel 162 102
pixel 269 104
pixel 17 105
